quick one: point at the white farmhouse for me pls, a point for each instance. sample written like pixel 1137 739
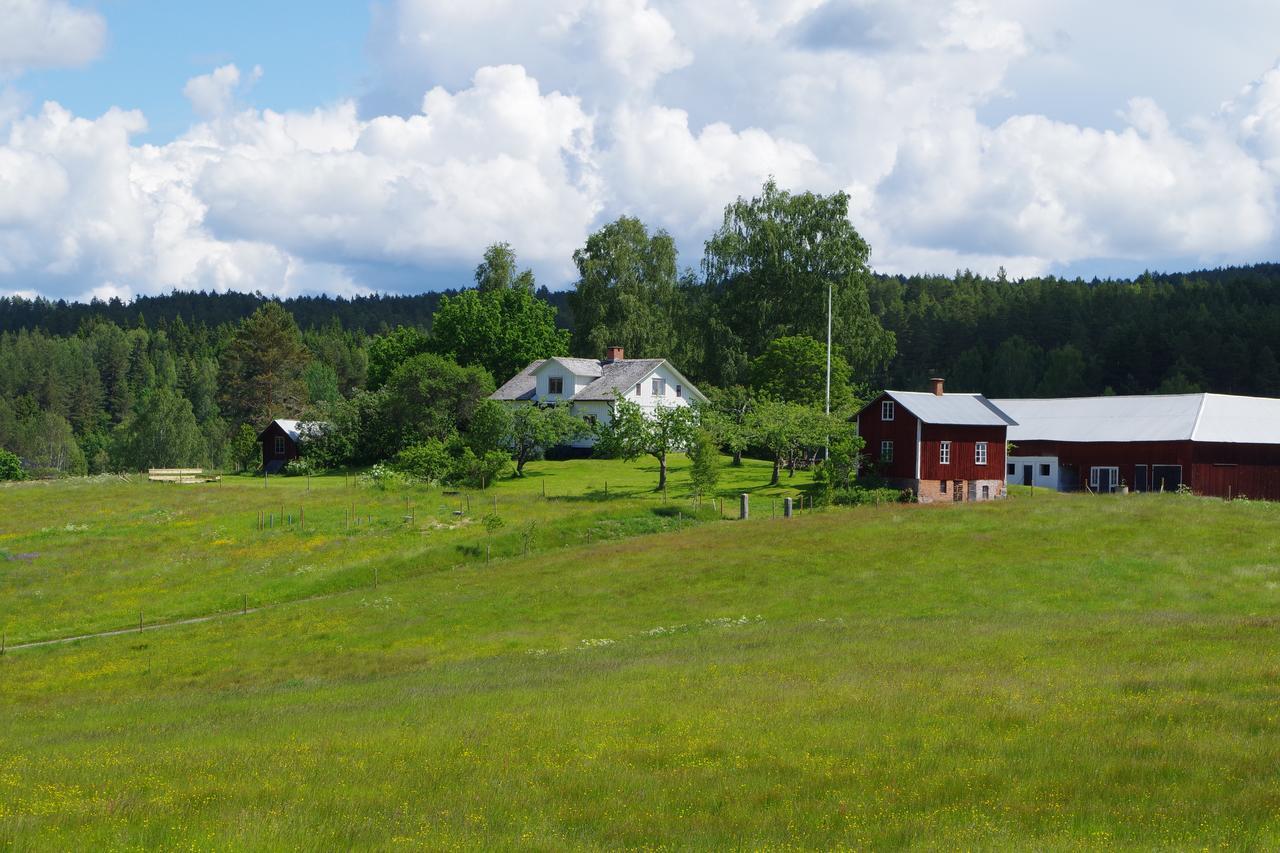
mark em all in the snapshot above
pixel 592 387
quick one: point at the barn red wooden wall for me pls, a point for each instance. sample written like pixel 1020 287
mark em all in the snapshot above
pixel 901 431
pixel 964 440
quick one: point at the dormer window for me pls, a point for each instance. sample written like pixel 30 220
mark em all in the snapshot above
pixel 886 410
pixel 659 387
pixel 555 384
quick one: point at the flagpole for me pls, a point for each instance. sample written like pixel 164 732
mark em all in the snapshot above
pixel 829 286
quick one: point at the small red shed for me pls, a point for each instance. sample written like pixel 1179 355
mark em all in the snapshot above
pixel 944 447
pixel 282 442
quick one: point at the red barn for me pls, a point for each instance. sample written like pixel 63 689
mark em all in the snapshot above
pixel 941 446
pixel 1215 444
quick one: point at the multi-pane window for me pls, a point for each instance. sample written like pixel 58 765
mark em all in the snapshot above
pixel 279 445
pixel 944 453
pixel 886 410
pixel 659 387
pixel 555 384
pixel 1044 469
pixel 679 391
pixel 980 453
pixel 942 487
pixel 886 451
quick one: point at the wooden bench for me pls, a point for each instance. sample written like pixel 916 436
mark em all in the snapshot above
pixel 180 475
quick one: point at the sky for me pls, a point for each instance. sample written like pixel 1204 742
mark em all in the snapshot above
pixel 347 147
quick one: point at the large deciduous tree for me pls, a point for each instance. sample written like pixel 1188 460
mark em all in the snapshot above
pixel 627 293
pixel 794 369
pixel 430 396
pixel 161 433
pixel 389 351
pixel 769 266
pixel 502 325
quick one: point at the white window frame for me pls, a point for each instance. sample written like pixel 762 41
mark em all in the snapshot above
pixel 886 410
pixel 944 453
pixel 658 386
pixel 886 450
pixel 980 453
pixel 1095 480
pixel 639 388
pixel 552 381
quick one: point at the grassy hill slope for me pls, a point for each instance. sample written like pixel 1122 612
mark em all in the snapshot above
pixel 1037 672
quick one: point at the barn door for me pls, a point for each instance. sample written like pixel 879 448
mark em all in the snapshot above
pixel 1026 475
pixel 1139 478
pixel 1103 479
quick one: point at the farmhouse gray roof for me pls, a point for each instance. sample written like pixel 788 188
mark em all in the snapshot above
pixel 618 376
pixel 951 409
pixel 521 386
pixel 1220 418
pixel 611 377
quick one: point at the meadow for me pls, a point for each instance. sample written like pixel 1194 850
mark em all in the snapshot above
pixel 1051 672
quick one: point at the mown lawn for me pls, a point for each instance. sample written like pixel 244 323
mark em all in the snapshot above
pixel 1060 673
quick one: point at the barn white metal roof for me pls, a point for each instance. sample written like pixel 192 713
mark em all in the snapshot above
pixel 953 409
pixel 1172 417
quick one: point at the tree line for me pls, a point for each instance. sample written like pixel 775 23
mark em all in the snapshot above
pixel 190 378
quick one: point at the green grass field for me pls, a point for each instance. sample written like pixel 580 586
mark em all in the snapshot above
pixel 1046 672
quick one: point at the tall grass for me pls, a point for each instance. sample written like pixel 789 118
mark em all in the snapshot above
pixel 1079 672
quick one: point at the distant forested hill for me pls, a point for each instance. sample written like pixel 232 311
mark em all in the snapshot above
pixel 367 314
pixel 1213 330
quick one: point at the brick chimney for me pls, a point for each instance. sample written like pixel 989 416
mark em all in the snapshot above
pixel 613 354
pixel 937 385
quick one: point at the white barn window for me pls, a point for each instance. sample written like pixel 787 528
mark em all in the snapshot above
pixel 659 387
pixel 944 453
pixel 980 453
pixel 886 410
pixel 555 384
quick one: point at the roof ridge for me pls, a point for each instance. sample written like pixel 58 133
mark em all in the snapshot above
pixel 1195 427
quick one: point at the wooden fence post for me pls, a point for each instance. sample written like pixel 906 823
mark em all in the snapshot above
pixel 744 508
pixel 786 507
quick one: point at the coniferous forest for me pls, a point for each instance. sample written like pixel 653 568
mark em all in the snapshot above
pixel 189 378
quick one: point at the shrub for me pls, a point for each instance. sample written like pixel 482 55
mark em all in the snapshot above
pixel 381 477
pixel 430 461
pixel 480 470
pixel 860 495
pixel 299 467
pixel 11 466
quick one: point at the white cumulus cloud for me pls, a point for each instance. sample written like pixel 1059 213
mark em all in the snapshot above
pixel 47 34
pixel 535 123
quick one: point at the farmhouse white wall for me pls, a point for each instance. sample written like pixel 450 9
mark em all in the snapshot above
pixel 578 376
